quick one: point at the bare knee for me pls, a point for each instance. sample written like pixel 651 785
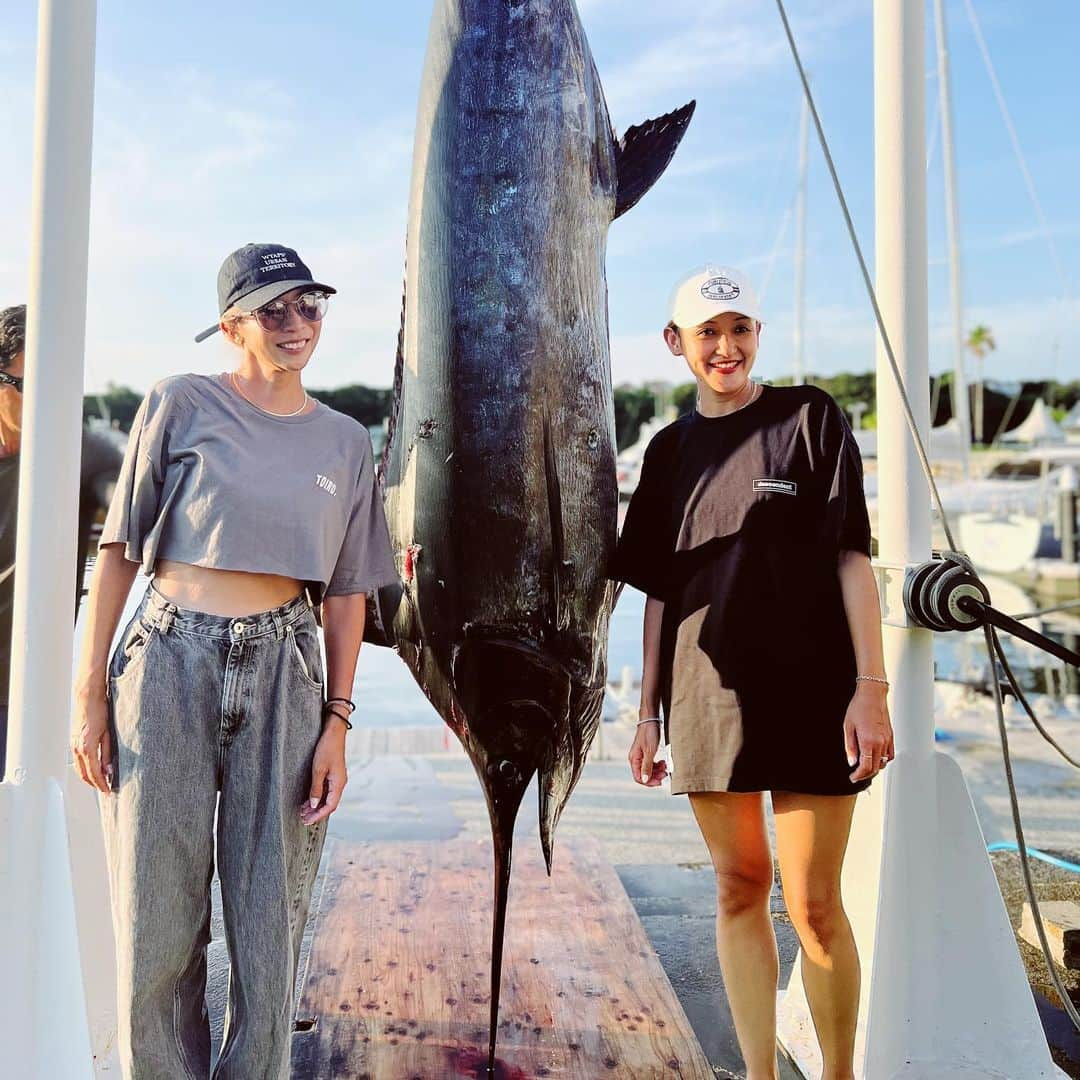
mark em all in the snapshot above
pixel 740 891
pixel 818 920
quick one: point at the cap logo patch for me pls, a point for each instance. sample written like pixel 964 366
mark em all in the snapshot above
pixel 275 262
pixel 720 288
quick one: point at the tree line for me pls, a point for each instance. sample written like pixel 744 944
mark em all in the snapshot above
pixel 636 404
pixel 1004 408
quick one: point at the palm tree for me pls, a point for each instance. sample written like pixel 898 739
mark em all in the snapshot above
pixel 980 341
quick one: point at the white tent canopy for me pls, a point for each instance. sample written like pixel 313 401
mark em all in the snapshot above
pixel 1071 424
pixel 947 442
pixel 1039 429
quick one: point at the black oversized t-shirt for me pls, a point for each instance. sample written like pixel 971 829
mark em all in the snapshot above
pixel 737 524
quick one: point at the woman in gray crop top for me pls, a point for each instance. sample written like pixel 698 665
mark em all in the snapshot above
pixel 241 497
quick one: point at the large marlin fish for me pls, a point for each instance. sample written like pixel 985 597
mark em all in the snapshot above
pixel 499 472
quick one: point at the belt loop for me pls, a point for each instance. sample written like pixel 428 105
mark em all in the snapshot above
pixel 279 625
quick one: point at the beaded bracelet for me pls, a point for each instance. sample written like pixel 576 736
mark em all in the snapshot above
pixel 872 678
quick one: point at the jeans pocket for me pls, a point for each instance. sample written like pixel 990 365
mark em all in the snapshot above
pixel 131 650
pixel 306 656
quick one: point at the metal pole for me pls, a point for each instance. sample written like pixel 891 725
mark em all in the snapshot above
pixel 43 1027
pixel 952 218
pixel 904 509
pixel 798 368
pixel 948 993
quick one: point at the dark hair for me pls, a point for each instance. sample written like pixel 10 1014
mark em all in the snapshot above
pixel 12 334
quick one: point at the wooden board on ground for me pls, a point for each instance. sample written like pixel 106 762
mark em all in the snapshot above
pixel 397 983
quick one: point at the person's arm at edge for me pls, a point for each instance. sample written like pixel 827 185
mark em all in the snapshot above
pixel 91 743
pixel 343 631
pixel 646 770
pixel 867 728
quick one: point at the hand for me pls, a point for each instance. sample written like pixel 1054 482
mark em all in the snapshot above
pixel 644 767
pixel 868 734
pixel 328 774
pixel 91 743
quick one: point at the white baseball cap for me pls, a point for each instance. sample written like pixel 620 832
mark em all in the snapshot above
pixel 709 291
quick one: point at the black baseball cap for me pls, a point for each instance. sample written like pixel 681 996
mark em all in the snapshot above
pixel 257 274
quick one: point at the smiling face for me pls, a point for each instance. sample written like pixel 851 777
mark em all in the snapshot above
pixel 286 349
pixel 720 353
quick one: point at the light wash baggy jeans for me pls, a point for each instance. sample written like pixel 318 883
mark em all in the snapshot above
pixel 211 714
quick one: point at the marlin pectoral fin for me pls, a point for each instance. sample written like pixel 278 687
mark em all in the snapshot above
pixel 645 151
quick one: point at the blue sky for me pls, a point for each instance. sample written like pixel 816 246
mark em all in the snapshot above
pixel 215 126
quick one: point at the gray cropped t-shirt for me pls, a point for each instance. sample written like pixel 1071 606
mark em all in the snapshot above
pixel 212 480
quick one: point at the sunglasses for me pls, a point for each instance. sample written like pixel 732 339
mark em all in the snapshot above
pixel 11 380
pixel 273 316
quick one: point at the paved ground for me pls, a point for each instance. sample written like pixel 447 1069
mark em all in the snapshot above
pixel 415 784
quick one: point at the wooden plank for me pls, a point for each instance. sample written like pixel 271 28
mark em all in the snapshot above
pixel 1061 921
pixel 397 984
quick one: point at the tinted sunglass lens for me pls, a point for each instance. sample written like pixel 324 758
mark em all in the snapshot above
pixel 272 316
pixel 312 306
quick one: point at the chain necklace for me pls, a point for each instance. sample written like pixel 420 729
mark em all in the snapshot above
pixel 755 393
pixel 296 412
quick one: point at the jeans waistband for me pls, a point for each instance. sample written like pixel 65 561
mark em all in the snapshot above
pixel 163 614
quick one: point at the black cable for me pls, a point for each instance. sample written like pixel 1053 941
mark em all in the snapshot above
pixel 1025 865
pixel 987 614
pixel 1024 701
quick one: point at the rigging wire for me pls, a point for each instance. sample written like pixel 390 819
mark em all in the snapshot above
pixel 1025 863
pixel 781 233
pixel 868 282
pixel 1006 117
pixel 920 449
pixel 1000 653
pixel 1029 181
pixel 1067 606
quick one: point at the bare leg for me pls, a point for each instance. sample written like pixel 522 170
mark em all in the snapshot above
pixel 811 839
pixel 733 826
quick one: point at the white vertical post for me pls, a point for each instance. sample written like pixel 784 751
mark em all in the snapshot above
pixel 952 220
pixel 948 995
pixel 43 1025
pixel 798 363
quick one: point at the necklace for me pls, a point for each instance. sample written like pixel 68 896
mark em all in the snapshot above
pixel 755 393
pixel 296 412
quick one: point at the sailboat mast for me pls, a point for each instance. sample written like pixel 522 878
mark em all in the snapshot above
pixel 798 369
pixel 952 219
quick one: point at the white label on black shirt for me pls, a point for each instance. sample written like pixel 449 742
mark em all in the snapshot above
pixel 785 487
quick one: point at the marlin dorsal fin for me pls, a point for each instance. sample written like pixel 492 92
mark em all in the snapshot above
pixel 644 152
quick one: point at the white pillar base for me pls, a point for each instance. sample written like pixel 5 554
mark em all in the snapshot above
pixel 43 1027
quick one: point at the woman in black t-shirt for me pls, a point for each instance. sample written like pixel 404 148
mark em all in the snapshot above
pixel 762 644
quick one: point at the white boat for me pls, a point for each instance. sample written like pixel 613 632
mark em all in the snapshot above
pixel 628 463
